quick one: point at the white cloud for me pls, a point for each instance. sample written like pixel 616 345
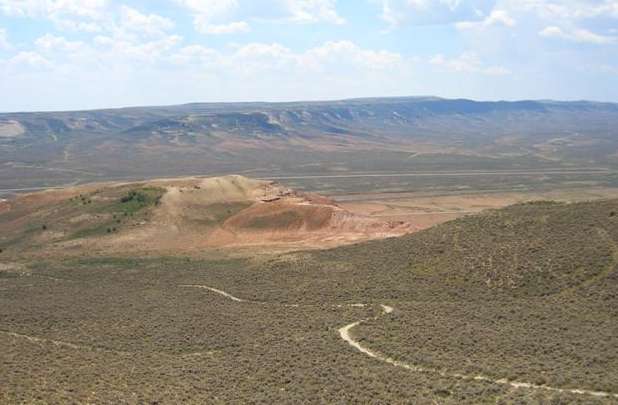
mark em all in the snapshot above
pixel 128 51
pixel 67 24
pixel 206 11
pixel 342 53
pixel 129 41
pixel 4 42
pixel 478 14
pixel 566 9
pixel 19 8
pixel 209 8
pixel 253 58
pixel 468 62
pixel 53 43
pixel 497 17
pixel 28 59
pixel 230 28
pixel 274 50
pixel 149 24
pixel 331 56
pixel 92 9
pixel 196 55
pixel 118 70
pixel 608 69
pixel 577 35
pixel 82 15
pixel 343 58
pixel 313 11
pixel 419 12
pixel 234 16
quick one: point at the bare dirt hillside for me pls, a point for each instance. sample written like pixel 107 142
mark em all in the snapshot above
pixel 184 214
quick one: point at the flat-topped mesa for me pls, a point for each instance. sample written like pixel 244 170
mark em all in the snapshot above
pixel 183 214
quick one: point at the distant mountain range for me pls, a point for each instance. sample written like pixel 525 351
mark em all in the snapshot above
pixel 372 134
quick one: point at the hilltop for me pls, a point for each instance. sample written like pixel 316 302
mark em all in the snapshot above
pixel 180 215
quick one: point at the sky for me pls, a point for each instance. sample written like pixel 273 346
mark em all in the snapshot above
pixel 84 54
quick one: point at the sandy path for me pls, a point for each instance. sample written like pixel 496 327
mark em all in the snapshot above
pixel 220 292
pixel 37 340
pixel 344 333
pixel 60 343
pixel 233 298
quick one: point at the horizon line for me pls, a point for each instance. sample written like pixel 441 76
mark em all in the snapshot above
pixel 310 101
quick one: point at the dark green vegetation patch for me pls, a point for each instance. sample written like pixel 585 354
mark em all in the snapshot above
pixel 93 214
pixel 142 197
pixel 109 213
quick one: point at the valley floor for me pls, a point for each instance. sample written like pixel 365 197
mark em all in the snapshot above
pixel 426 209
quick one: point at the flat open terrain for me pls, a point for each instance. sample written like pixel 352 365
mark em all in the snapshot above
pixel 425 209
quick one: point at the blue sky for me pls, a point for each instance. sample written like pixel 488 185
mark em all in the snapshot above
pixel 78 54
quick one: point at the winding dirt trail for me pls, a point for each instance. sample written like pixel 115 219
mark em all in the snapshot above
pixel 37 340
pixel 220 292
pixel 233 298
pixel 60 343
pixel 344 333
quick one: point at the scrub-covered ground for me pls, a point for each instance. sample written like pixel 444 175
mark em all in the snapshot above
pixel 525 294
